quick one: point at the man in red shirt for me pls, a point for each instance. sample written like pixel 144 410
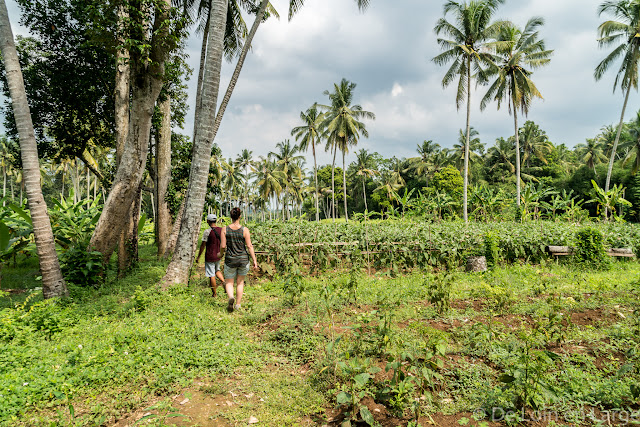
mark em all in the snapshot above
pixel 211 241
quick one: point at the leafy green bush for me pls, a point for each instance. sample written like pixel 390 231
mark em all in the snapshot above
pixel 22 320
pixel 491 249
pixel 83 268
pixel 589 249
pixel 439 292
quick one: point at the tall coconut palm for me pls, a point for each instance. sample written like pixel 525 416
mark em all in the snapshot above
pixel 308 135
pixel 53 284
pixel 591 153
pixel 622 33
pixel 269 180
pixel 244 161
pixel 365 168
pixel 289 164
pixel 466 48
pixel 519 52
pixel 534 143
pixel 343 125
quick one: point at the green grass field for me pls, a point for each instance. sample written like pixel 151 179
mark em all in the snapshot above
pixel 409 350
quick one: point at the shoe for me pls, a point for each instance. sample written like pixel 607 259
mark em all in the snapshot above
pixel 231 305
pixel 237 307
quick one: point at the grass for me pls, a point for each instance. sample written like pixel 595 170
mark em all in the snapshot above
pixel 104 354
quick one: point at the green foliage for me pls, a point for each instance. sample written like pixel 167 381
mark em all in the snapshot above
pixel 294 286
pixel 439 291
pixel 491 250
pixel 22 320
pixel 73 223
pixel 498 298
pixel 589 249
pixel 405 244
pixel 449 181
pixel 528 378
pixel 357 374
pixel 296 339
pixel 82 267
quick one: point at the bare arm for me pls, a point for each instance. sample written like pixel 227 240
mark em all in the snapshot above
pixel 223 243
pixel 247 242
pixel 203 245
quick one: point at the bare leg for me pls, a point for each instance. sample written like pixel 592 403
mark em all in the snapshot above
pixel 239 289
pixel 228 286
pixel 214 285
pixel 220 276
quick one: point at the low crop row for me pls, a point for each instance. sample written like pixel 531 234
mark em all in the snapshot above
pixel 398 244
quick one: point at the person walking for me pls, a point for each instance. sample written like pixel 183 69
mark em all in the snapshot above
pixel 235 243
pixel 211 239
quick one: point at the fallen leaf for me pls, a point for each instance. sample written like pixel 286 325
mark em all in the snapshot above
pixel 248 396
pixel 253 420
pixel 184 401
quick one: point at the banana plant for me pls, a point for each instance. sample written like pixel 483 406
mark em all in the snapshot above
pixel 608 200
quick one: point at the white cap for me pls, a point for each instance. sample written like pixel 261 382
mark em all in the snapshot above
pixel 212 218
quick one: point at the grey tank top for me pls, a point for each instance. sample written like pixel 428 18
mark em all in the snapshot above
pixel 236 250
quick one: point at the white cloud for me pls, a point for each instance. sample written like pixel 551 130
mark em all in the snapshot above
pixel 396 90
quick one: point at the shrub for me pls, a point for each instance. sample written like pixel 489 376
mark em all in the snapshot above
pixel 491 249
pixel 589 249
pixel 83 268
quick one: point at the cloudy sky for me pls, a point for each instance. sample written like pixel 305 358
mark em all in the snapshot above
pixel 387 52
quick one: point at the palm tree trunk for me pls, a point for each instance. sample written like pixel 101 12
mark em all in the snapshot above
pixel 178 269
pixel 517 137
pixel 344 187
pixel 466 145
pixel 163 177
pixel 236 71
pixel 364 194
pixel 53 285
pixel 333 185
pixel 315 176
pixel 203 60
pixel 613 150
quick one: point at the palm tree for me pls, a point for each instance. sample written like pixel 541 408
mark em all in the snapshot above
pixel 502 155
pixel 53 284
pixel 632 145
pixel 245 161
pixel 535 143
pixel 423 164
pixel 517 50
pixel 269 180
pixel 476 149
pixel 365 168
pixel 623 34
pixel 342 124
pixel 289 163
pixel 591 153
pixel 309 134
pixel 467 50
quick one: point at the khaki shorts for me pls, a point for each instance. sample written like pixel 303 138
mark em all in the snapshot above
pixel 233 272
pixel 211 268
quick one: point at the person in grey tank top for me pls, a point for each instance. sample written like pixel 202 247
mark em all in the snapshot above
pixel 235 244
